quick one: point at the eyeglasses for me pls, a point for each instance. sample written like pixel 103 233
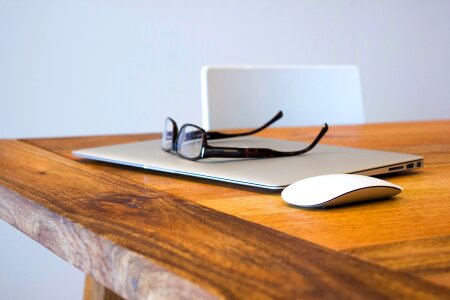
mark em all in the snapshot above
pixel 191 142
pixel 170 133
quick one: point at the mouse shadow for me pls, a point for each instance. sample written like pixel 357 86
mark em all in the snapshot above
pixel 343 206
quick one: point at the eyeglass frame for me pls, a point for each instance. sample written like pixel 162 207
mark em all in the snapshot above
pixel 208 151
pixel 212 135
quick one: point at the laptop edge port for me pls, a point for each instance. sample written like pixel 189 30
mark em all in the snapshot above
pixel 397 168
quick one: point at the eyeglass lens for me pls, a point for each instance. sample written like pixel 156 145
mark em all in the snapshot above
pixel 190 141
pixel 167 135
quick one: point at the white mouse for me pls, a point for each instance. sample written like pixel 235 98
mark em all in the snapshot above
pixel 337 189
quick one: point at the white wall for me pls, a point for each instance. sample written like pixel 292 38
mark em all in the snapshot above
pixel 102 66
pixel 30 271
pixel 109 66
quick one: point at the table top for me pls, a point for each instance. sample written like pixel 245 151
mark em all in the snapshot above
pixel 148 234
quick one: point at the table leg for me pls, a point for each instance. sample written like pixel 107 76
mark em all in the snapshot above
pixel 96 291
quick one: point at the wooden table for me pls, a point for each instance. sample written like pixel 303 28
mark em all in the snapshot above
pixel 144 234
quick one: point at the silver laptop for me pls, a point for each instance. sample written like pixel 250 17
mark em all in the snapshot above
pixel 270 173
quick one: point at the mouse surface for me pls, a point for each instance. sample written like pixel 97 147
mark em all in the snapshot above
pixel 337 189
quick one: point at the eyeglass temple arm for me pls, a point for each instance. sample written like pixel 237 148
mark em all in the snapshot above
pixel 231 152
pixel 219 135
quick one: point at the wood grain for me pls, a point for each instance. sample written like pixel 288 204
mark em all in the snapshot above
pixel 419 213
pixel 141 242
pixel 402 219
pixel 426 258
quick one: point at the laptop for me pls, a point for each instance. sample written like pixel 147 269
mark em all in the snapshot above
pixel 267 173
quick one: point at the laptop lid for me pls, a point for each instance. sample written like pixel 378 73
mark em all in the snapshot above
pixel 272 173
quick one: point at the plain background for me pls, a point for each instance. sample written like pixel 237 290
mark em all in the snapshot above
pixel 101 67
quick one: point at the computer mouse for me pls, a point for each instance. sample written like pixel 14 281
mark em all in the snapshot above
pixel 337 189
